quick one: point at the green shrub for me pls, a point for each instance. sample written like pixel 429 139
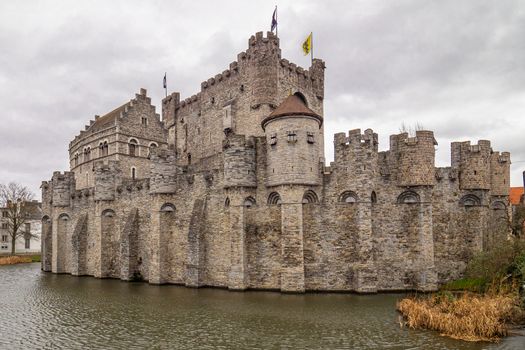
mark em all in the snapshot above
pixel 468 284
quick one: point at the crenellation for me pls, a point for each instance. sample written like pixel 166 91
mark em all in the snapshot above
pixel 230 189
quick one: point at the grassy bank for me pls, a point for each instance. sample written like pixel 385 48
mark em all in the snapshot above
pixel 479 307
pixel 18 259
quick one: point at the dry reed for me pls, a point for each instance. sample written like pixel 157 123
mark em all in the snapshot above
pixel 11 260
pixel 470 317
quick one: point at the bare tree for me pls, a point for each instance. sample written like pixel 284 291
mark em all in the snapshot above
pixel 17 201
pixel 411 130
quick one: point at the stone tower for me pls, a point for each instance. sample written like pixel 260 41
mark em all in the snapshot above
pixel 293 170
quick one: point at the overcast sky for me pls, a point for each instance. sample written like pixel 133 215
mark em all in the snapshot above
pixel 456 67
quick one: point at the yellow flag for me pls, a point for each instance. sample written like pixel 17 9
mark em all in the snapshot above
pixel 307 45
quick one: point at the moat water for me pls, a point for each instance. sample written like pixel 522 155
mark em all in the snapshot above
pixel 46 311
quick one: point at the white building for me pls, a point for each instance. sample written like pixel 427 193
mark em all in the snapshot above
pixel 25 243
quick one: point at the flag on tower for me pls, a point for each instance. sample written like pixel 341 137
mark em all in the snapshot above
pixel 307 45
pixel 274 20
pixel 165 85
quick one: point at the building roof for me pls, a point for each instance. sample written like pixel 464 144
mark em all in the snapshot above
pixel 515 195
pixel 293 105
pixel 107 119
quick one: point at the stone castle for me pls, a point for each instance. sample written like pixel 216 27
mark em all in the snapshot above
pixel 230 189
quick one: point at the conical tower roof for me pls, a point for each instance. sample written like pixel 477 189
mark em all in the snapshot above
pixel 293 105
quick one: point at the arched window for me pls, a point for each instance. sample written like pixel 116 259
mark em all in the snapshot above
pixel 167 207
pixel 87 154
pixel 310 197
pixel 63 217
pixel 249 202
pixel 75 159
pixel 133 172
pixel 373 197
pixel 470 200
pixel 152 145
pixel 108 213
pixel 133 147
pixel 103 149
pixel 348 197
pixel 274 198
pixel 408 197
pixel 227 202
pixel 498 205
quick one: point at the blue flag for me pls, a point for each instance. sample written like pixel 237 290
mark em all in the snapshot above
pixel 274 19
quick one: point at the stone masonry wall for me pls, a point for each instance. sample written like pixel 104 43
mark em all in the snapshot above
pixel 218 203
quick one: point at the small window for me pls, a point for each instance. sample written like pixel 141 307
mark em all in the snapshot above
pixel 292 136
pixel 103 149
pixel 274 199
pixel 133 145
pixel 133 173
pixel 273 139
pixel 408 197
pixel 373 197
pixel 4 238
pixel 5 214
pixel 87 154
pixel 28 243
pixel 249 202
pixel 4 226
pixel 189 159
pixel 470 200
pixel 144 121
pixel 4 246
pixel 309 137
pixel 348 197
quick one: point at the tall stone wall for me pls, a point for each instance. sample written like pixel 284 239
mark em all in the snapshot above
pixel 221 202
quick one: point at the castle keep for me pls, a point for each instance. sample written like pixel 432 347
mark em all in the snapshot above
pixel 230 189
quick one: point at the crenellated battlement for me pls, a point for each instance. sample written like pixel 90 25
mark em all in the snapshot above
pixel 62 184
pixel 473 162
pixel 356 139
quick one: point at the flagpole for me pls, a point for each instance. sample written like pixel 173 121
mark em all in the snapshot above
pixel 166 84
pixel 312 48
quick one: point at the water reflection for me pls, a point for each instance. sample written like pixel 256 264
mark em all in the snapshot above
pixel 41 310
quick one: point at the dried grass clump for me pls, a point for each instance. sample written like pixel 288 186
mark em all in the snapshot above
pixel 11 260
pixel 469 317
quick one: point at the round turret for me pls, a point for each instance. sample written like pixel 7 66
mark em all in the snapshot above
pixel 293 143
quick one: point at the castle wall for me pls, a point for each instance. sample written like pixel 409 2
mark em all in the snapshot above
pixel 221 202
